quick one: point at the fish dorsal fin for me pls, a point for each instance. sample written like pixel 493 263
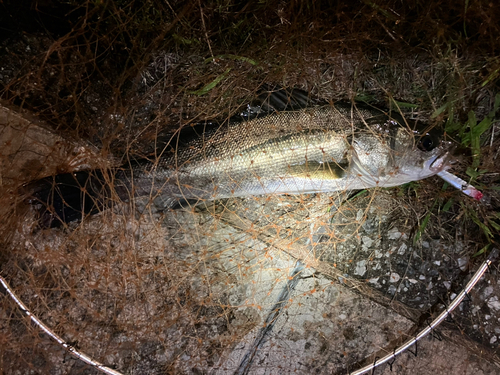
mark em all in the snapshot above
pixel 273 99
pixel 279 99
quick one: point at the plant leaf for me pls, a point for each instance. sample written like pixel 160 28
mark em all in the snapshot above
pixel 440 110
pixel 482 251
pixel 205 89
pixel 448 205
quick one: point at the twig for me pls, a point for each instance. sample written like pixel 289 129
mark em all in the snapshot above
pixel 205 31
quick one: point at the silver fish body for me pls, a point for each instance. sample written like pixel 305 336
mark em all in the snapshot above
pixel 318 149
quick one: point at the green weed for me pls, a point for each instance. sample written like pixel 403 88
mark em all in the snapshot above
pixel 206 89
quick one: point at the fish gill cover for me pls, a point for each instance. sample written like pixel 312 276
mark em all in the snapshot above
pixel 120 92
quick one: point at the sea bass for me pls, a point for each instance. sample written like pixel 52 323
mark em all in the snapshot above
pixel 294 149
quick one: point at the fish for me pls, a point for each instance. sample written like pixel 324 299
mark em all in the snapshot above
pixel 288 144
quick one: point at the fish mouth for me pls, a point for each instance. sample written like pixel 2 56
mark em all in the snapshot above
pixel 440 162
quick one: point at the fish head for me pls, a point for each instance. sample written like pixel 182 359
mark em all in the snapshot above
pixel 398 152
pixel 418 153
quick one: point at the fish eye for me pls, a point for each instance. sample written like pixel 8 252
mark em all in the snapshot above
pixel 427 143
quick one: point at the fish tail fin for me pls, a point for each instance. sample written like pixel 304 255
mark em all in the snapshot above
pixel 67 197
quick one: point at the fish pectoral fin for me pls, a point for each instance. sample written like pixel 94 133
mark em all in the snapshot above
pixel 317 170
pixel 359 170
